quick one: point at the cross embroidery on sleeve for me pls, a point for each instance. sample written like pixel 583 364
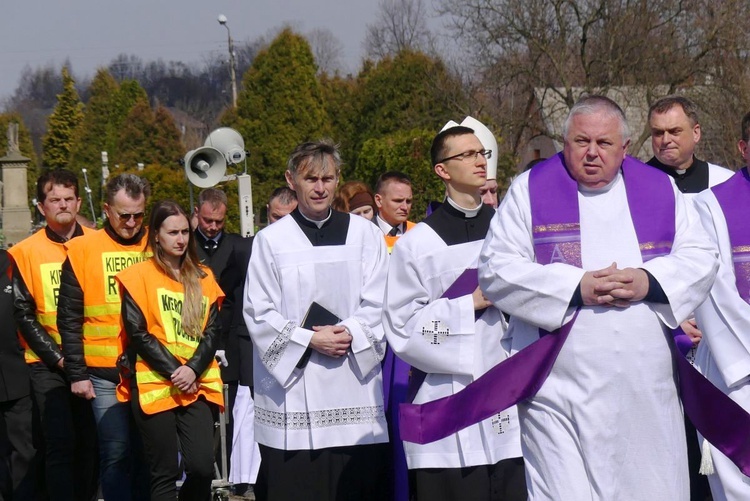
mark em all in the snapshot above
pixel 435 331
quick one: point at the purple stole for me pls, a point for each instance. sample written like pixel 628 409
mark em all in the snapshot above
pixel 556 233
pixel 733 196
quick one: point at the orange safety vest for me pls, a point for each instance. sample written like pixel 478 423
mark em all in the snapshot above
pixel 390 241
pixel 160 299
pixel 95 260
pixel 39 261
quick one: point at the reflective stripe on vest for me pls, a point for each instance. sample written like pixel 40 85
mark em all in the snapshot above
pixel 160 299
pixel 95 260
pixel 39 261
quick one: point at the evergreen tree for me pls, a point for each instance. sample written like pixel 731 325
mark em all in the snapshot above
pixel 62 124
pixel 136 138
pixel 167 148
pixel 94 134
pixel 408 91
pixel 281 105
pixel 407 152
pixel 100 129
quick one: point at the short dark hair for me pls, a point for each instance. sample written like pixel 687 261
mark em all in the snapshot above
pixel 392 176
pixel 666 103
pixel 284 194
pixel 438 150
pixel 53 177
pixel 213 196
pixel 133 185
pixel 314 151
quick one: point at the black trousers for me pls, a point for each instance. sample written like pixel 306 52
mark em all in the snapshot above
pixel 71 460
pixel 502 481
pixel 194 427
pixel 354 473
pixel 18 472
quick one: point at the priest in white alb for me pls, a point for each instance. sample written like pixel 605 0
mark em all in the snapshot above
pixel 724 354
pixel 437 320
pixel 313 300
pixel 596 238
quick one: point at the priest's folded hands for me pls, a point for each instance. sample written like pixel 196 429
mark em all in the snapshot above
pixel 612 286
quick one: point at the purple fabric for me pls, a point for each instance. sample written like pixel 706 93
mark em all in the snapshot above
pixel 651 201
pixel 732 196
pixel 395 387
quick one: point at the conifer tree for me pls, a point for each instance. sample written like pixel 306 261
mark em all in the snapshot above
pixel 281 105
pixel 62 124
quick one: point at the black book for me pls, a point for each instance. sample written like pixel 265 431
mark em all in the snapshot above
pixel 316 315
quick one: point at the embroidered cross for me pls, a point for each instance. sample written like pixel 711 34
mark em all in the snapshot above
pixel 500 423
pixel 436 330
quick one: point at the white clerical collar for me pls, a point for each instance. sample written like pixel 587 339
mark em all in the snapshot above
pixel 386 228
pixel 320 223
pixel 603 189
pixel 469 213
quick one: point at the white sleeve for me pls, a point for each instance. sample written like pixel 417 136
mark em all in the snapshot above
pixel 509 275
pixel 365 325
pixel 724 318
pixel 687 272
pixel 448 342
pixel 280 342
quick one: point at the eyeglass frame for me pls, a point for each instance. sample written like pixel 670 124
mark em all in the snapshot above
pixel 124 218
pixel 487 154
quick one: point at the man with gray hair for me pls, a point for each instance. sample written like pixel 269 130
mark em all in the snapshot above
pixel 602 250
pixel 313 301
pixel 88 318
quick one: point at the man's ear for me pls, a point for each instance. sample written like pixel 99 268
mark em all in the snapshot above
pixel 379 200
pixel 442 172
pixel 289 180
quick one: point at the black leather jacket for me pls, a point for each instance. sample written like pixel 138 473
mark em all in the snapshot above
pixel 70 319
pixel 154 353
pixel 25 312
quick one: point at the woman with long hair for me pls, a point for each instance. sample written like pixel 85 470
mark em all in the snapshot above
pixel 170 305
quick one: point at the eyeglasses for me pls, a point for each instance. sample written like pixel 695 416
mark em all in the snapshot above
pixel 138 216
pixel 469 155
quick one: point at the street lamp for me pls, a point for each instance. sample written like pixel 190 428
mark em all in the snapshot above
pixel 223 21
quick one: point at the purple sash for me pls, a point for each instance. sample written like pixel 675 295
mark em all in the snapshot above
pixel 556 231
pixel 732 196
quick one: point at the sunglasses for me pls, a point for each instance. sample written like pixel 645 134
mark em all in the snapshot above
pixel 138 216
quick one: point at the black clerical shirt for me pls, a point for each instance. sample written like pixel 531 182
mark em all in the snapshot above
pixel 693 180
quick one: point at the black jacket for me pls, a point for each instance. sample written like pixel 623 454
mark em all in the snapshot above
pixel 25 313
pixel 14 373
pixel 235 338
pixel 70 319
pixel 217 258
pixel 154 353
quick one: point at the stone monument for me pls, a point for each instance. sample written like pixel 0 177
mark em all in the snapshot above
pixel 16 216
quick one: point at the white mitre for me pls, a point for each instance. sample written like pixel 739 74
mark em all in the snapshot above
pixel 487 138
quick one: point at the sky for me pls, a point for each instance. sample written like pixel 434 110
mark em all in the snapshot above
pixel 90 33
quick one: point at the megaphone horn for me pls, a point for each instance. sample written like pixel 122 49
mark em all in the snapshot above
pixel 229 142
pixel 205 166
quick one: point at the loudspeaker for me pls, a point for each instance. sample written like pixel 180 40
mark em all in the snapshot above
pixel 229 142
pixel 205 166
